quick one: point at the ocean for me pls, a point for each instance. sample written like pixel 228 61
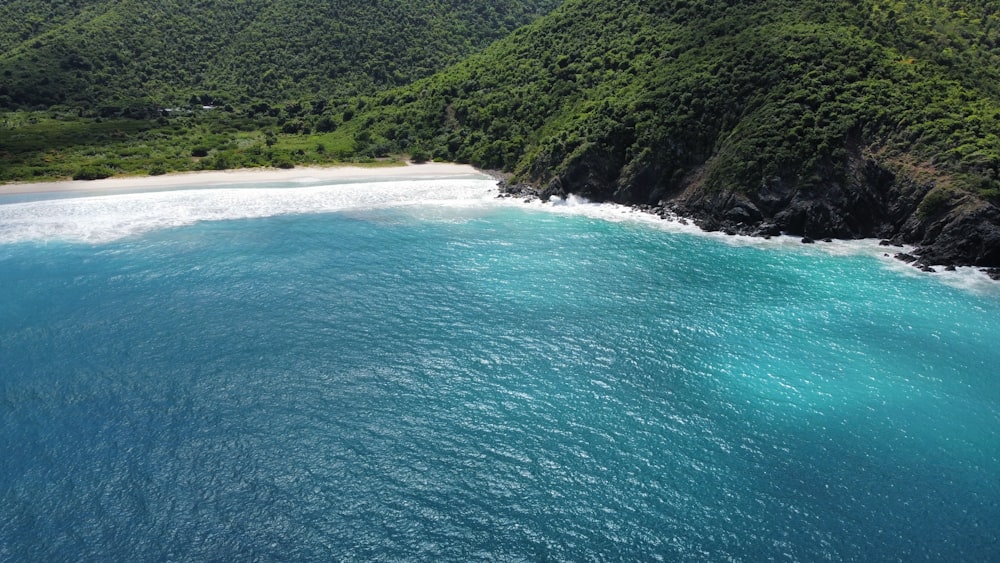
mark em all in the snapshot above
pixel 418 370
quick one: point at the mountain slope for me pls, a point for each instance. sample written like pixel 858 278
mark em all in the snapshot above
pixel 20 20
pixel 89 53
pixel 819 118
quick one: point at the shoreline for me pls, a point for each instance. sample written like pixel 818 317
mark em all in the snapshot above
pixel 204 178
pixel 354 173
pixel 901 254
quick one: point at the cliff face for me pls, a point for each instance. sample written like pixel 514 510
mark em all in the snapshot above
pixel 868 198
pixel 871 201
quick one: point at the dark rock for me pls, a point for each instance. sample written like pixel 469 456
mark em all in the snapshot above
pixel 828 239
pixel 767 230
pixel 525 191
pixel 950 268
pixel 908 258
pixel 928 269
pixel 807 240
pixel 708 224
pixel 554 189
pixel 862 196
pixel 742 214
pixel 970 234
pixel 993 273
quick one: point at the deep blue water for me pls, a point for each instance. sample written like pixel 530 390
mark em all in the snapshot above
pixel 478 381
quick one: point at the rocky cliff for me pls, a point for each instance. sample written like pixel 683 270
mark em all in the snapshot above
pixel 875 199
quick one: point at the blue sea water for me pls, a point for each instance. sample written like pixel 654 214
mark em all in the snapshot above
pixel 417 371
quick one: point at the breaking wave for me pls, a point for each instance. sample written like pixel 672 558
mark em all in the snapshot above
pixel 101 219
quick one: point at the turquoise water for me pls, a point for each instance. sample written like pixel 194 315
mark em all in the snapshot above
pixel 417 371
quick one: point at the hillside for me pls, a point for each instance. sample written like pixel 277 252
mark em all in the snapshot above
pixel 817 118
pixel 94 53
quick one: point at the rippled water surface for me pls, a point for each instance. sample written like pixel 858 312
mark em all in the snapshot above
pixel 312 374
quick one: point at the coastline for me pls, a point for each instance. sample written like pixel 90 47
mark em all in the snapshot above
pixel 898 254
pixel 347 173
pixel 402 171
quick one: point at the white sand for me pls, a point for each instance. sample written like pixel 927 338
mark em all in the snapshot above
pixel 241 176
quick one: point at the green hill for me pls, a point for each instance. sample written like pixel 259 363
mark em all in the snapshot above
pixel 95 53
pixel 818 118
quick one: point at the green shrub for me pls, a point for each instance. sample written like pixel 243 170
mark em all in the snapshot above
pixel 419 156
pixel 933 201
pixel 93 172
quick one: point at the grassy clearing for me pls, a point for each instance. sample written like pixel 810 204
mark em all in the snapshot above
pixel 38 146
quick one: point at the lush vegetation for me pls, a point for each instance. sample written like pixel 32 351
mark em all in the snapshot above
pixel 45 146
pixel 135 55
pixel 90 88
pixel 649 97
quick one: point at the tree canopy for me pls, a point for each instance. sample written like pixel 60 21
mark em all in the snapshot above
pixel 94 52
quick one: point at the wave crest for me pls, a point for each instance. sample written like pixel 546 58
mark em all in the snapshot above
pixel 105 218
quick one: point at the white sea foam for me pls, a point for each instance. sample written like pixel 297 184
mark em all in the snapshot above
pixel 99 219
pixel 105 218
pixel 970 279
pixel 966 278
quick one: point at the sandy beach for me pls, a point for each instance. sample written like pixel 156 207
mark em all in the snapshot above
pixel 240 176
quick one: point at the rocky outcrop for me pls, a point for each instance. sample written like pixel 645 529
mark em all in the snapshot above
pixel 967 232
pixel 874 199
pixel 868 203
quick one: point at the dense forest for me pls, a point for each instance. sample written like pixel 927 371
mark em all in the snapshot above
pixel 815 117
pixel 101 53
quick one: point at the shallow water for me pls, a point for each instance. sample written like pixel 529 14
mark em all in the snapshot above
pixel 419 371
